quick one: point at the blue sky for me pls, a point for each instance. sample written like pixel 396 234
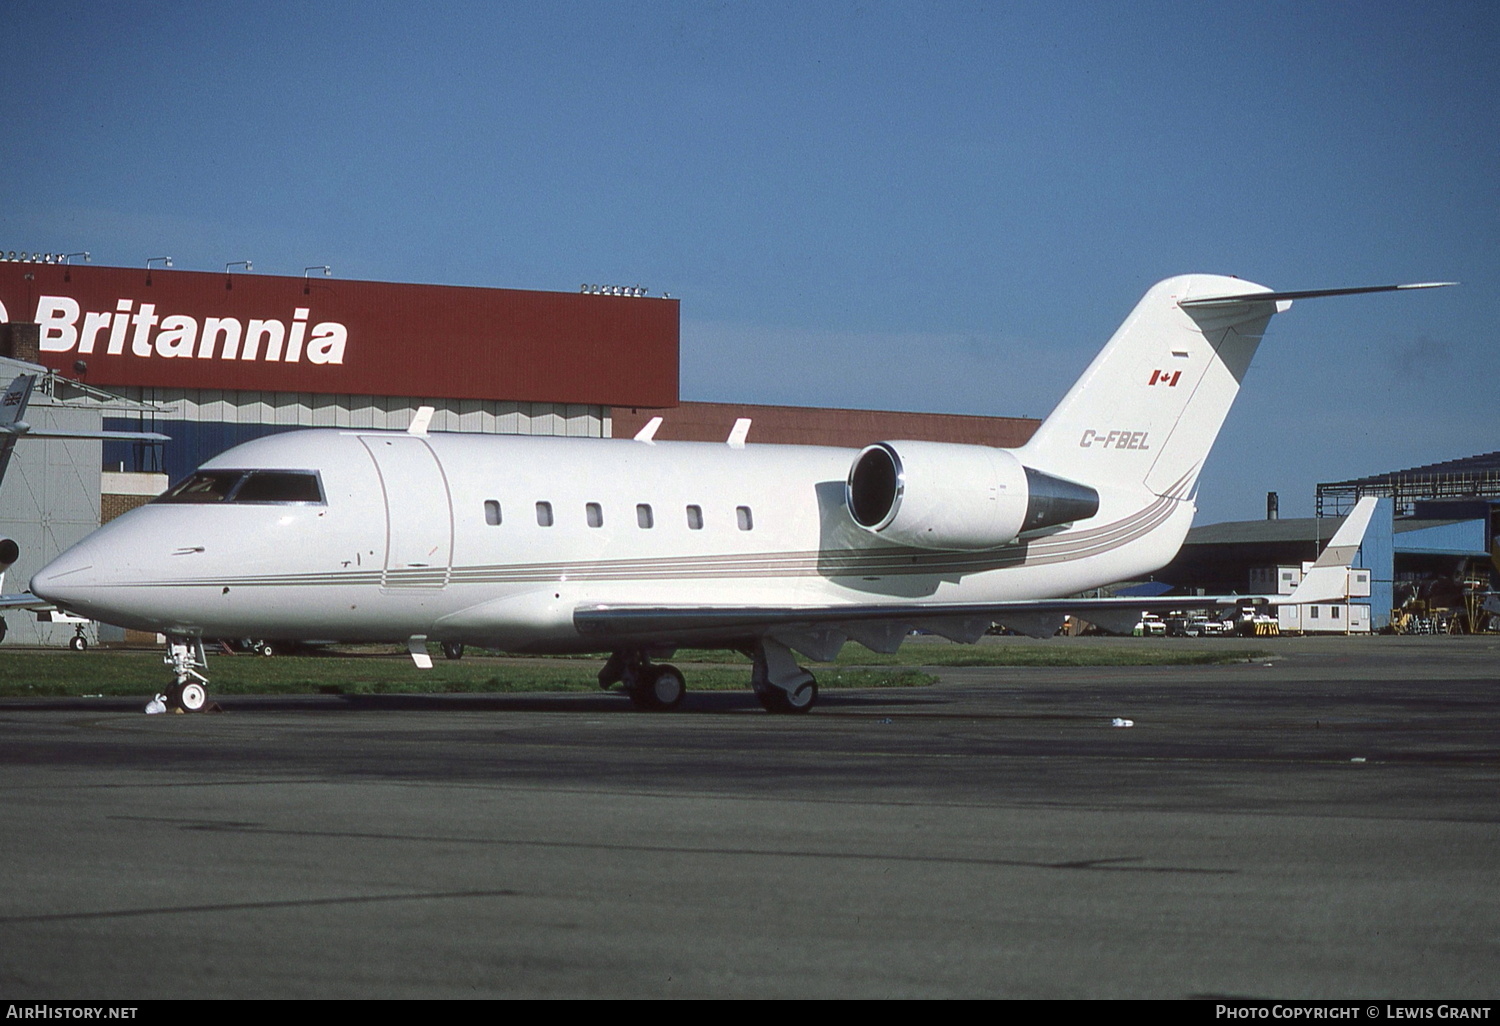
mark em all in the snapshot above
pixel 931 206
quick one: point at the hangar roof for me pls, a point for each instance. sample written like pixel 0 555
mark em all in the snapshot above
pixel 1484 463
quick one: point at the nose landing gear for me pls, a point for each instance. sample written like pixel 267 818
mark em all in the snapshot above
pixel 188 690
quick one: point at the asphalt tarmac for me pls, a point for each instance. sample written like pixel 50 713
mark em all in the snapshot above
pixel 1322 824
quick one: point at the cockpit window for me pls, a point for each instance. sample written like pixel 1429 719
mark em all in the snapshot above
pixel 278 486
pixel 204 486
pixel 281 487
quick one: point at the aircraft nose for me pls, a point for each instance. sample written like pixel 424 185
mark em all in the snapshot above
pixel 71 579
pixel 64 580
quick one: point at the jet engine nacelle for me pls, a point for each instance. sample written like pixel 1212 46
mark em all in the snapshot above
pixel 936 495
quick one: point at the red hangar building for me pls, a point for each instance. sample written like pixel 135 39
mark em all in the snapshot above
pixel 222 358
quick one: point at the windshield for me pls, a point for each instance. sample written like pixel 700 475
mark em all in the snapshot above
pixel 279 487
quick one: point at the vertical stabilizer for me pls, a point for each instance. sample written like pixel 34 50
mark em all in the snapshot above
pixel 1328 580
pixel 12 409
pixel 1146 412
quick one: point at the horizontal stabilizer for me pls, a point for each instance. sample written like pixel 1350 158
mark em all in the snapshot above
pixel 1271 297
pixel 103 436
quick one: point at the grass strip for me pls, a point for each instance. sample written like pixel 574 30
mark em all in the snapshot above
pixel 52 674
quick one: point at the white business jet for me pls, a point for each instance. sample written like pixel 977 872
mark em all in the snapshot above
pixel 635 547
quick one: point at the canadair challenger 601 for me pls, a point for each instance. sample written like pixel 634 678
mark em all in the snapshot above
pixel 632 548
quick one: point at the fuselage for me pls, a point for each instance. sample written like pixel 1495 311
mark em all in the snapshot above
pixel 496 540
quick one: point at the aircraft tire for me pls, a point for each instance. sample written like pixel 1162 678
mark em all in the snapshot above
pixel 660 689
pixel 78 643
pixel 192 697
pixel 189 697
pixel 453 650
pixel 775 700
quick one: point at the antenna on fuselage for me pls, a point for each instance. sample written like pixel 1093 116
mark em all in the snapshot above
pixel 738 433
pixel 647 433
pixel 420 421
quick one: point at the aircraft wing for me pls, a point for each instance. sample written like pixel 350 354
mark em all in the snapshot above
pixel 879 627
pixel 818 632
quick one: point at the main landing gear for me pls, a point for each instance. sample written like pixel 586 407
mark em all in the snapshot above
pixel 188 690
pixel 779 683
pixel 648 685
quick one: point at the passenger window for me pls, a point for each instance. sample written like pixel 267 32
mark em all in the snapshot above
pixel 595 514
pixel 746 522
pixel 695 518
pixel 643 517
pixel 492 512
pixel 544 514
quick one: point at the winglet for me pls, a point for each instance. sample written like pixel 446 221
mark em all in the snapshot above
pixel 738 433
pixel 420 420
pixel 647 433
pixel 1328 580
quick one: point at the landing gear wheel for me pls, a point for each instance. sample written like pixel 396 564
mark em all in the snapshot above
pixel 799 700
pixel 189 697
pixel 78 643
pixel 659 689
pixel 453 650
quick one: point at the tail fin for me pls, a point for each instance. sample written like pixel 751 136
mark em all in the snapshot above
pixel 12 409
pixel 1147 410
pixel 1328 580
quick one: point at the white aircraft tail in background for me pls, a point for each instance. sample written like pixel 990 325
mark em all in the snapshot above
pixel 636 547
pixel 1328 580
pixel 13 428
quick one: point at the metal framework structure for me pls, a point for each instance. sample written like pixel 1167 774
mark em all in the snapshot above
pixel 1473 477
